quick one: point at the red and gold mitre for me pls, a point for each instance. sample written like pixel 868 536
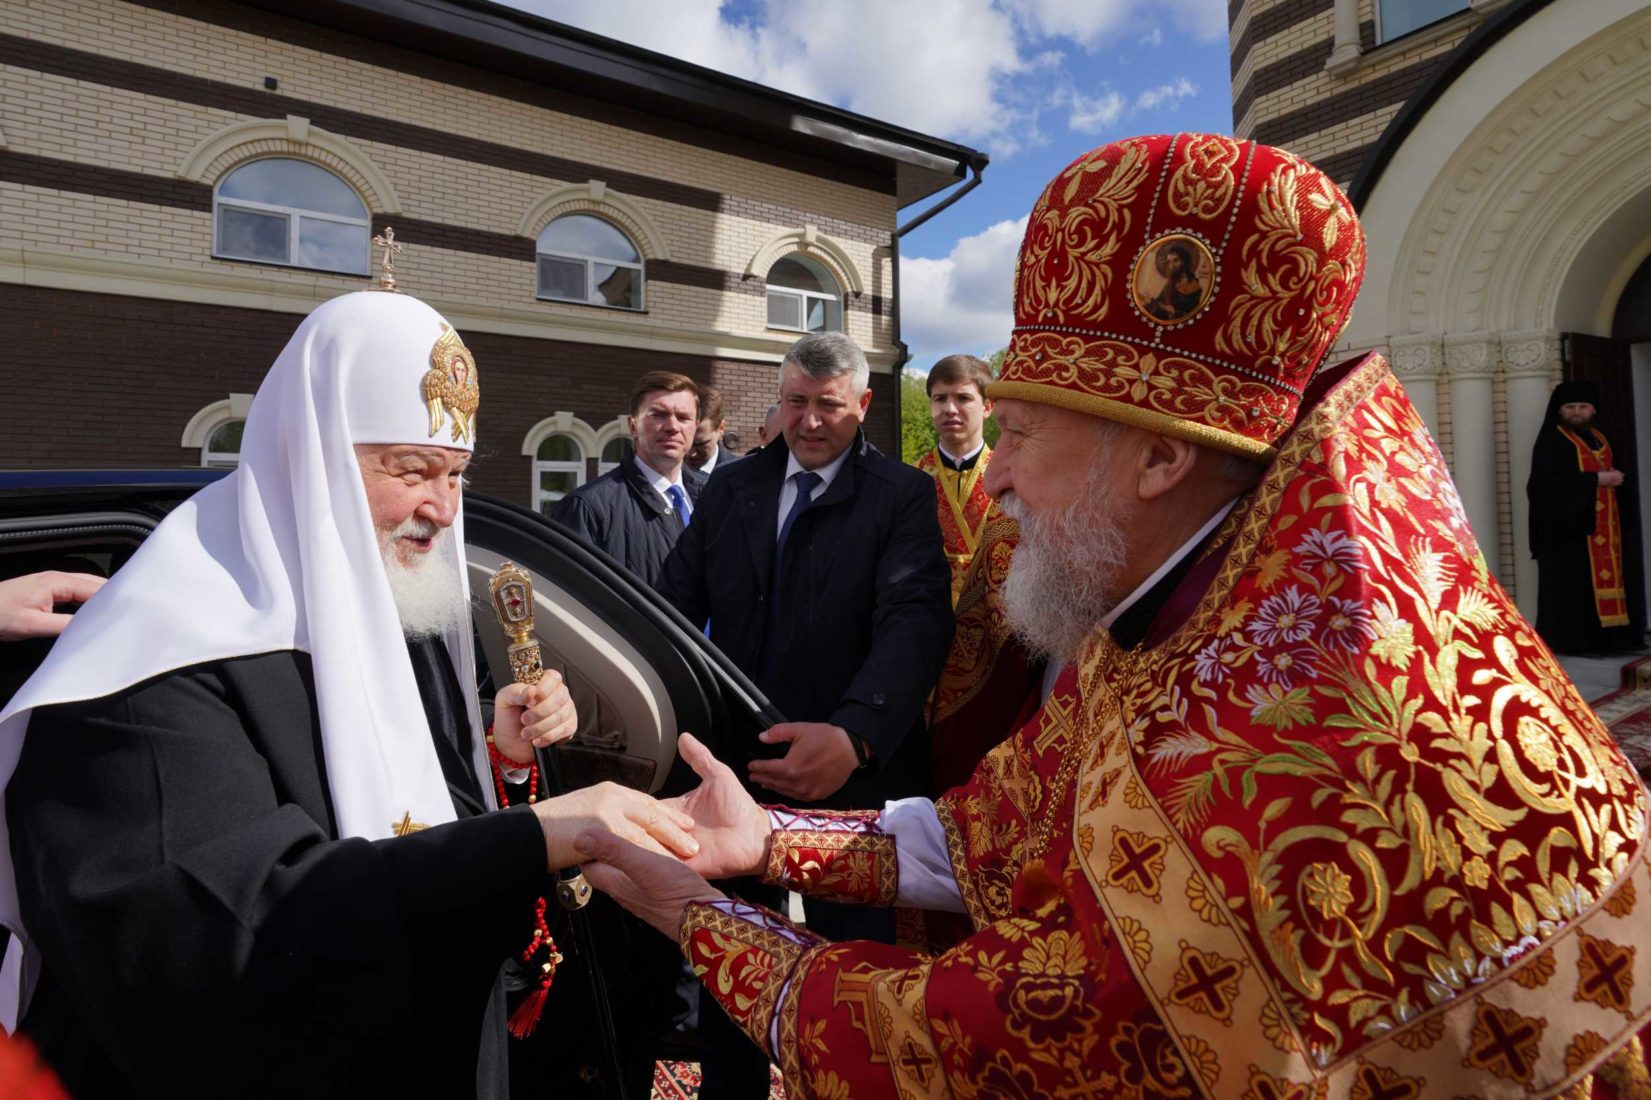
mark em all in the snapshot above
pixel 1188 284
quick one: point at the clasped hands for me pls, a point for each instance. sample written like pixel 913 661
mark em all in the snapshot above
pixel 652 856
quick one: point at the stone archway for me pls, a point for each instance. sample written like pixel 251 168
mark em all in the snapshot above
pixel 1515 210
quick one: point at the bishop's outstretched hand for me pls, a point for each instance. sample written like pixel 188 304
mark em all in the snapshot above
pixel 732 830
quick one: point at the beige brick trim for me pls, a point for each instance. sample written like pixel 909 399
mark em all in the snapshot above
pixel 594 197
pixel 206 421
pixel 561 423
pixel 292 136
pixel 62 269
pixel 816 246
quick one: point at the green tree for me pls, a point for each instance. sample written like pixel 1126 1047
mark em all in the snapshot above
pixel 916 429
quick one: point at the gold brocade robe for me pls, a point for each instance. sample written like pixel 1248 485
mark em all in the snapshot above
pixel 965 509
pixel 1347 831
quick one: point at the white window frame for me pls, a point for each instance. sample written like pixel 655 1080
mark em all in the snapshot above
pixel 803 297
pixel 590 262
pixel 576 467
pixel 220 460
pixel 201 427
pixel 293 214
pixel 617 428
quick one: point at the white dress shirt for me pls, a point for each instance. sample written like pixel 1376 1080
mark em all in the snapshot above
pixel 788 488
pixel 662 484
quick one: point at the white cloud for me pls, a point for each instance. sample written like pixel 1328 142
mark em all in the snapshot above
pixel 961 302
pixel 960 69
pixel 889 61
pixel 1092 23
pixel 1165 95
pixel 1091 114
pixel 1153 38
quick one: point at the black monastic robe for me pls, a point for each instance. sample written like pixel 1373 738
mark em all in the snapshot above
pixel 205 931
pixel 1562 516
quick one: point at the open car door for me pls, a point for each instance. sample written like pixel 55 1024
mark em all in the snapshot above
pixel 639 674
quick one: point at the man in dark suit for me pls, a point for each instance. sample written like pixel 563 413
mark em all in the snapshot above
pixel 637 510
pixel 819 563
pixel 708 451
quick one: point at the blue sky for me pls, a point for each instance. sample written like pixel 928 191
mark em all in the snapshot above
pixel 1034 83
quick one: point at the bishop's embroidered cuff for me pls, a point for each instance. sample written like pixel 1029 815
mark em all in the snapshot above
pixel 745 955
pixel 835 855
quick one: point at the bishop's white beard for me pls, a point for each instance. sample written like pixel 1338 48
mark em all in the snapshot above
pixel 426 591
pixel 1063 578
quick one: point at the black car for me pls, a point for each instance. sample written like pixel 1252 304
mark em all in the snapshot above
pixel 639 673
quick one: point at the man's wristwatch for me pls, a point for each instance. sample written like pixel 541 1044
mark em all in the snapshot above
pixel 862 753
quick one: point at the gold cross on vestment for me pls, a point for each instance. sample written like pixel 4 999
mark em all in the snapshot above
pixel 407 825
pixel 387 262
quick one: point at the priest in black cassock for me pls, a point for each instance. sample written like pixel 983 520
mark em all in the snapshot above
pixel 1576 528
pixel 252 842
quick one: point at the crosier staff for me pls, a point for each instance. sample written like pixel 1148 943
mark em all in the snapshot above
pixel 512 591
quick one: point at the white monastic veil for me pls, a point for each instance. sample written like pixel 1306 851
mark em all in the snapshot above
pixel 281 554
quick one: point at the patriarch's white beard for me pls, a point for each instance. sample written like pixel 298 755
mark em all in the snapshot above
pixel 426 591
pixel 1063 579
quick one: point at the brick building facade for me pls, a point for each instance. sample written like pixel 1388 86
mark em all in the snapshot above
pixel 1496 150
pixel 145 267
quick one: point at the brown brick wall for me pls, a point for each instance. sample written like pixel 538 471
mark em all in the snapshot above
pixel 117 379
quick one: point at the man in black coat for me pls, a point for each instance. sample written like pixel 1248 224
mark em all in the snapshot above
pixel 637 510
pixel 819 563
pixel 1576 528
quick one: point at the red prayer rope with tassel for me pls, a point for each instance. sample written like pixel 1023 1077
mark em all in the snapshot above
pixel 526 1016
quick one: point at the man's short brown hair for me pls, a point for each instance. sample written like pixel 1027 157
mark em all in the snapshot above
pixel 961 368
pixel 670 382
pixel 710 405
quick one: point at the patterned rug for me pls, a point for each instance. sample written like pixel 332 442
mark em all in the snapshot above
pixel 1627 712
pixel 680 1081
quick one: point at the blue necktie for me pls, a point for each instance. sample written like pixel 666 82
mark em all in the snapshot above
pixel 678 502
pixel 806 481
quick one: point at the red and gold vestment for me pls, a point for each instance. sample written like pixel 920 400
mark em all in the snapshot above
pixel 965 509
pixel 1347 831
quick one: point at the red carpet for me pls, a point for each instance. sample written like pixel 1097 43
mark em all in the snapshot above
pixel 680 1081
pixel 1628 714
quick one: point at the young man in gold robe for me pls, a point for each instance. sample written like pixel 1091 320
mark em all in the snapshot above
pixel 958 405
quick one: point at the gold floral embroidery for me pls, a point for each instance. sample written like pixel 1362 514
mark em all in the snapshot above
pixel 1066 261
pixel 1288 306
pixel 1136 939
pixel 1379 769
pixel 1203 185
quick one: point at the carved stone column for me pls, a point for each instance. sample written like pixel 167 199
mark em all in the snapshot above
pixel 1470 364
pixel 1344 57
pixel 1529 360
pixel 1418 361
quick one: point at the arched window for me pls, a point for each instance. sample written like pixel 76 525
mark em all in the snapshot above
pixel 803 297
pixel 587 259
pixel 617 451
pixel 281 210
pixel 223 447
pixel 558 469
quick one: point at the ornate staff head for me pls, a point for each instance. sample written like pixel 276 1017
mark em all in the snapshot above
pixel 512 592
